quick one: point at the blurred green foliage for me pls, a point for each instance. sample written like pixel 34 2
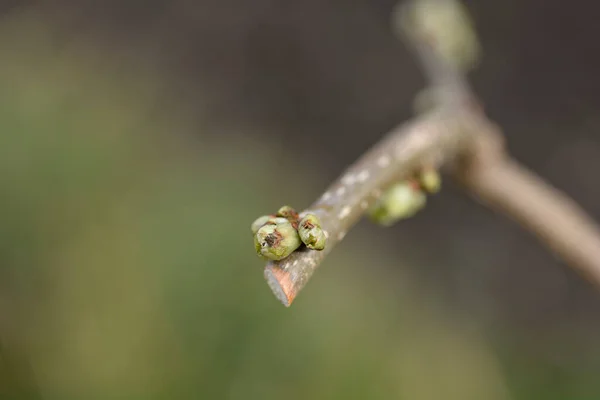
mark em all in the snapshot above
pixel 127 269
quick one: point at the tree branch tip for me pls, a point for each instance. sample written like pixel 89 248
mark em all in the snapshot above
pixel 280 284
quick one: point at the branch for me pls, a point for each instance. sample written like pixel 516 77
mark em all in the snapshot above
pixel 437 137
pixel 492 177
pixel 555 219
pixel 456 134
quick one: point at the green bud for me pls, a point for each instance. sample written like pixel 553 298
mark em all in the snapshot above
pixel 448 25
pixel 430 180
pixel 311 233
pixel 259 222
pixel 287 212
pixel 277 239
pixel 400 201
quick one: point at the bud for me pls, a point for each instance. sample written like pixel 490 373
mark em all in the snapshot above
pixel 400 201
pixel 311 233
pixel 287 212
pixel 277 239
pixel 447 24
pixel 259 222
pixel 430 180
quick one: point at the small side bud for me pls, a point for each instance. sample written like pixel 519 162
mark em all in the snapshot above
pixel 430 180
pixel 400 201
pixel 287 212
pixel 311 233
pixel 290 214
pixel 259 222
pixel 277 239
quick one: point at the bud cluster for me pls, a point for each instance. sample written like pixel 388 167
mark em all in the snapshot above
pixel 276 236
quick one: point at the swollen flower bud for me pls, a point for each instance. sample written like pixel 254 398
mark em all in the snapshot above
pixel 430 180
pixel 311 233
pixel 259 222
pixel 400 201
pixel 277 239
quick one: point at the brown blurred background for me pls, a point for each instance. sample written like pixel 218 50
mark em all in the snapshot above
pixel 139 139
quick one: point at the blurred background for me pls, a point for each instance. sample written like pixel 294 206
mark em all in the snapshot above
pixel 139 139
